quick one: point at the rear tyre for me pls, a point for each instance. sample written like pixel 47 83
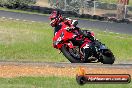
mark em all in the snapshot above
pixel 69 56
pixel 107 57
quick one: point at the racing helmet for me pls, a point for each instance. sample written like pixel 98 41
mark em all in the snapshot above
pixel 55 18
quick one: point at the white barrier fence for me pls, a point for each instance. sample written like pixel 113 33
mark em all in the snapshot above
pixel 90 7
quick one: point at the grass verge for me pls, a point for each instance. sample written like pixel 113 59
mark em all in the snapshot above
pixel 32 41
pixel 52 82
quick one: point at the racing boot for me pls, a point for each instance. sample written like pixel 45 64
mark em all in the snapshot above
pixel 86 52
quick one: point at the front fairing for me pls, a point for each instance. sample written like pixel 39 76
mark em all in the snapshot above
pixel 62 37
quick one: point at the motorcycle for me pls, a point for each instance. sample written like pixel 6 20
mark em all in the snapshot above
pixel 72 51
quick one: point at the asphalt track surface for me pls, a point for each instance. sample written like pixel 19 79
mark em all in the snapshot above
pixel 104 26
pixel 112 27
pixel 67 64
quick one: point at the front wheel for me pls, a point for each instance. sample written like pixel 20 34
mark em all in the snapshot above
pixel 72 55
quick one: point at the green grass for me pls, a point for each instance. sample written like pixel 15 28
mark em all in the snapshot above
pixel 52 82
pixel 28 41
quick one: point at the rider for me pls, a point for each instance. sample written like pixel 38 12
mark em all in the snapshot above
pixel 56 21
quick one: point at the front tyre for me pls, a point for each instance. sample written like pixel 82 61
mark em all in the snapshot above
pixel 72 58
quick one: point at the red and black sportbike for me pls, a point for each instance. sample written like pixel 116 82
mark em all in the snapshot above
pixel 63 40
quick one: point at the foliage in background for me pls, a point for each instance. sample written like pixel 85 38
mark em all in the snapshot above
pixel 16 3
pixel 114 1
pixel 75 5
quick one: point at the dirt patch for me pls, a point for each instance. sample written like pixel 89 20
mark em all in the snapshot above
pixel 9 71
pixel 42 3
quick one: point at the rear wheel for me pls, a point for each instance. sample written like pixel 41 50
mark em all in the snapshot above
pixel 73 55
pixel 107 57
